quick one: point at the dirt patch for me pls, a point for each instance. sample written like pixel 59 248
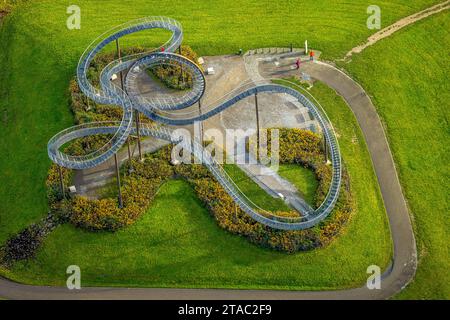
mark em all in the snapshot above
pixel 386 32
pixel 3 13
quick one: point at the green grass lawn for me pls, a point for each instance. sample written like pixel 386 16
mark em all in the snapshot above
pixel 408 77
pixel 177 243
pixel 251 189
pixel 302 178
pixel 39 56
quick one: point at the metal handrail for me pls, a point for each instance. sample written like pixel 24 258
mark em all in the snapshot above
pixel 158 109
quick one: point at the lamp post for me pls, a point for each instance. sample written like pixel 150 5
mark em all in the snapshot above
pixel 122 86
pixel 120 58
pixel 181 66
pixel 118 180
pixel 138 124
pixel 129 155
pixel 136 113
pixel 257 126
pixel 201 122
pixel 115 154
pixel 61 181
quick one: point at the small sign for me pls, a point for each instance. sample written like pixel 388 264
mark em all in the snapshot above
pixel 306 76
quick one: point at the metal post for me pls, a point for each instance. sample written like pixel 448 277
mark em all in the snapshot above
pixel 291 47
pixel 118 48
pixel 136 113
pixel 201 122
pixel 122 86
pixel 181 66
pixel 119 55
pixel 121 81
pixel 257 126
pixel 118 180
pixel 61 181
pixel 129 155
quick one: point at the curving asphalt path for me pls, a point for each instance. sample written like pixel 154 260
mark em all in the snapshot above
pixel 394 279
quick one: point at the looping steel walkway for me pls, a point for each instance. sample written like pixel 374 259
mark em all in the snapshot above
pixel 394 279
pixel 162 110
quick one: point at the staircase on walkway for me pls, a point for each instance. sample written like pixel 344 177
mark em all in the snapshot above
pixel 271 182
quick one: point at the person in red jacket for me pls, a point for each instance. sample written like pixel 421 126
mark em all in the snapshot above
pixel 311 55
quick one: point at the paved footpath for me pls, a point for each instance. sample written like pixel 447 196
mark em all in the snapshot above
pixel 393 280
pixel 271 182
pixel 89 181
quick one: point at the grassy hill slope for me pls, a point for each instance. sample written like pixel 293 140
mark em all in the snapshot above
pixel 407 76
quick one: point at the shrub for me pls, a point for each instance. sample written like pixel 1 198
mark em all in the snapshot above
pixel 296 147
pixel 193 171
pixel 171 75
pixel 24 245
pixel 230 217
pixel 54 195
pixel 158 168
pixel 138 191
pixel 95 214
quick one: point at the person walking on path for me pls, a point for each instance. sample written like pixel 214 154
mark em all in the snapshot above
pixel 311 55
pixel 297 63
